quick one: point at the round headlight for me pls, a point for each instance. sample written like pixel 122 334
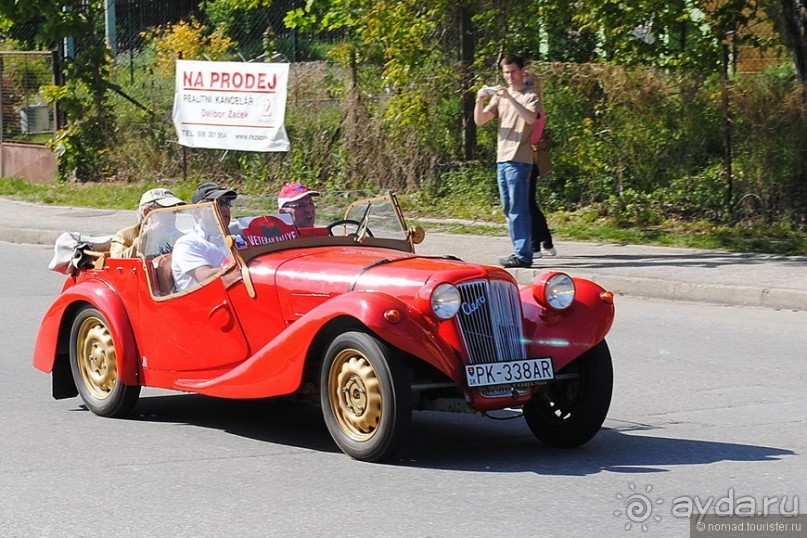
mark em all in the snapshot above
pixel 445 301
pixel 559 291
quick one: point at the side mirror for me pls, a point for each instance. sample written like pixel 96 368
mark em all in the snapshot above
pixel 416 235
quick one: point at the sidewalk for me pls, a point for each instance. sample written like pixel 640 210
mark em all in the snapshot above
pixel 695 275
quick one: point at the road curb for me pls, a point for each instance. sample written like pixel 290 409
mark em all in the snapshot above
pixel 673 290
pixel 28 236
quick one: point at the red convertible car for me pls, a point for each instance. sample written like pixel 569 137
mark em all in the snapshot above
pixel 347 314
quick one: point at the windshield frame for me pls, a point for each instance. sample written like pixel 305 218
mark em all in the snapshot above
pixel 404 243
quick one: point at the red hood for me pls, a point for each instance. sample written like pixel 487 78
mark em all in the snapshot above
pixel 306 278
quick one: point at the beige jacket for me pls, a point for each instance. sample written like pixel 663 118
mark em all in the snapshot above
pixel 125 243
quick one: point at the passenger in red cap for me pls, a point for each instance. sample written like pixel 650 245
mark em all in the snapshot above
pixel 296 200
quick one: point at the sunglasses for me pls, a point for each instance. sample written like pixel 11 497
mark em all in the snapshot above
pixel 221 202
pixel 300 205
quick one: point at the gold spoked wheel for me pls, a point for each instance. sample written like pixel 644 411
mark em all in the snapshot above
pixel 366 396
pixel 96 357
pixel 356 394
pixel 95 366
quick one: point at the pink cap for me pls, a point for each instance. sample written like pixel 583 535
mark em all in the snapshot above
pixel 291 192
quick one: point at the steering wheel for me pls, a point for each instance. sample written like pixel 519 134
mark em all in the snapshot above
pixel 345 222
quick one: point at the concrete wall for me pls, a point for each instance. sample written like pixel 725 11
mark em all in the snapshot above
pixel 36 164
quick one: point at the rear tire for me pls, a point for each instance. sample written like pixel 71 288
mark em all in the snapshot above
pixel 568 413
pixel 94 365
pixel 366 396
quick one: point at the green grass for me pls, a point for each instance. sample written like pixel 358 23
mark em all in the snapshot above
pixel 461 216
pixel 102 195
pixel 587 225
pixel 742 237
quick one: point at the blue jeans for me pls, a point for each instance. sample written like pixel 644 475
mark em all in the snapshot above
pixel 514 190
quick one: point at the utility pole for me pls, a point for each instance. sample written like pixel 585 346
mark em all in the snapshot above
pixel 727 124
pixel 111 33
pixel 466 54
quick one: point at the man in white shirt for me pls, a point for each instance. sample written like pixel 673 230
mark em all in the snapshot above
pixel 201 254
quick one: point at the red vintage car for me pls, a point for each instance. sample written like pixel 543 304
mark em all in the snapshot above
pixel 347 314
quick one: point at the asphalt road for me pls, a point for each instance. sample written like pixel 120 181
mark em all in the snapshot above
pixel 709 402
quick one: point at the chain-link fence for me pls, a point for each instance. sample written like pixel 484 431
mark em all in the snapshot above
pixel 25 115
pixel 255 34
pixel 132 17
pixel 189 28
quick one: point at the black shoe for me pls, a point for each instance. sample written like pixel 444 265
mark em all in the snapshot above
pixel 513 261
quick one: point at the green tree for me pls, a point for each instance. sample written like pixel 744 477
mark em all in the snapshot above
pixel 82 145
pixel 245 18
pixel 536 29
pixel 406 57
pixel 691 32
pixel 401 36
pixel 791 19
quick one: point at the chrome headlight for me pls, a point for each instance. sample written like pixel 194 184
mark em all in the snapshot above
pixel 554 291
pixel 445 301
pixel 559 291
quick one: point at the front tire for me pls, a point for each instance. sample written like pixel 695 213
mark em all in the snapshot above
pixel 366 396
pixel 568 413
pixel 94 365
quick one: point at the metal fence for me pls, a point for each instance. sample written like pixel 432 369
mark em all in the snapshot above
pixel 257 35
pixel 25 115
pixel 252 32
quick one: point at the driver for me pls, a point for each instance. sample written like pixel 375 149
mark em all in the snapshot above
pixel 296 200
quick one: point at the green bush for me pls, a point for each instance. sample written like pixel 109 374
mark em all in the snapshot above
pixel 694 197
pixel 639 145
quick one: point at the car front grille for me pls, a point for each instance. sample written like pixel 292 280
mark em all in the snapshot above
pixel 490 324
pixel 490 321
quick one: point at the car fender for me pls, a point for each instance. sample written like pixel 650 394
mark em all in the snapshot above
pixel 566 335
pixel 53 337
pixel 264 375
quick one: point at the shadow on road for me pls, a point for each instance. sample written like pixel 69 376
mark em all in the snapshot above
pixel 270 420
pixel 510 447
pixel 453 441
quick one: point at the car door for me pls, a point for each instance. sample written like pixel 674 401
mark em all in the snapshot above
pixel 194 329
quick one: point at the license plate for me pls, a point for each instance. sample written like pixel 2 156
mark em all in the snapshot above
pixel 506 373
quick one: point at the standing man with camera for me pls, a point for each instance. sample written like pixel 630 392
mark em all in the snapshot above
pixel 517 107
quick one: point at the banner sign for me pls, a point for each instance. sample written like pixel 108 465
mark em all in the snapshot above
pixel 231 105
